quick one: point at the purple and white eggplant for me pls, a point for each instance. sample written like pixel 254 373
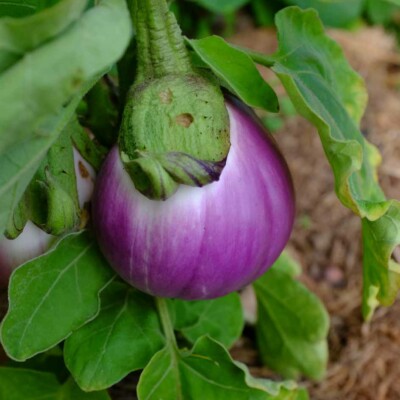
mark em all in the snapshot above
pixel 202 242
pixel 196 200
pixel 29 244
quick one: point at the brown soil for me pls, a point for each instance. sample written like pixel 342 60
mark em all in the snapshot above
pixel 364 358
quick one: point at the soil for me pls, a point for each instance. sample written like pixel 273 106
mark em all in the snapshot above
pixel 364 357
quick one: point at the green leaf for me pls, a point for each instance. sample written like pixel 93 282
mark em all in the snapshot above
pixel 286 390
pixel 92 152
pixel 285 263
pixel 292 324
pixel 19 165
pixel 18 384
pixel 327 92
pixel 337 13
pixel 70 390
pixel 381 11
pixel 52 196
pixel 46 78
pixel 317 58
pixel 102 117
pixel 381 273
pixel 22 8
pixel 52 295
pixel 220 318
pixel 263 12
pixel 121 339
pixel 19 36
pixel 237 71
pixel 222 6
pixel 206 372
pixel 49 361
pixel 32 111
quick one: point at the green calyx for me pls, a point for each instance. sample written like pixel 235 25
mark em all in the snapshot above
pixel 175 127
pixel 174 131
pixel 51 199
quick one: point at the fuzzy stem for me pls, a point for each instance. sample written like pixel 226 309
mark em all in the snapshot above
pixel 160 45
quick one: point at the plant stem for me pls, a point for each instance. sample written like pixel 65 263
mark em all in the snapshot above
pixel 258 58
pixel 166 322
pixel 169 333
pixel 160 45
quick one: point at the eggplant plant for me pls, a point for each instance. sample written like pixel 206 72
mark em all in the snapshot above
pixel 193 202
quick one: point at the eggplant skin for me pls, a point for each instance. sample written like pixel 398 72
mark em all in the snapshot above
pixel 203 242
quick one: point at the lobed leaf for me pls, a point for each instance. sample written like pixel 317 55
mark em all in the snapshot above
pixel 53 295
pixel 207 372
pixel 220 318
pixel 122 338
pixel 292 324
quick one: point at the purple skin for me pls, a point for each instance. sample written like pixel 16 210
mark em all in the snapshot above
pixel 205 242
pixel 33 242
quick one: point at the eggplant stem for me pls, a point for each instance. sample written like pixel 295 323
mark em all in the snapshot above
pixel 160 46
pixel 166 322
